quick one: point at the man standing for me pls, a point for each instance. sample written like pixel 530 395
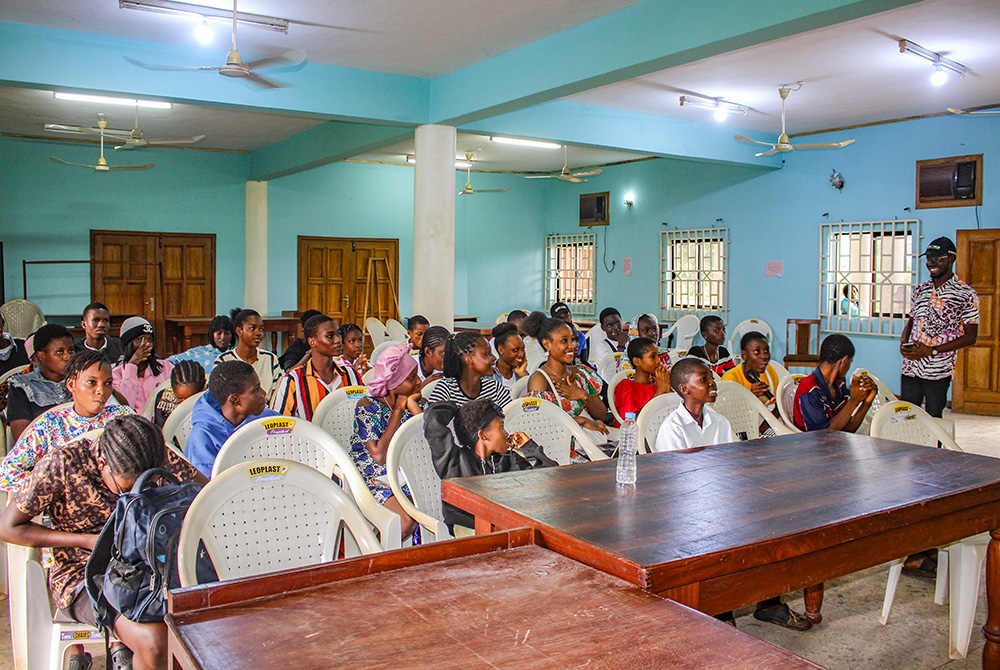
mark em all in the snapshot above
pixel 944 317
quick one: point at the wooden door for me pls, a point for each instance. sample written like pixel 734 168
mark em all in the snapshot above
pixel 188 263
pixel 976 385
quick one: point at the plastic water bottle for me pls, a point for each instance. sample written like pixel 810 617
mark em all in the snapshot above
pixel 627 445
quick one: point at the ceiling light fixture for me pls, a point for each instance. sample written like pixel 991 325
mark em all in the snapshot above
pixel 203 33
pixel 205 13
pixel 721 107
pixel 461 165
pixel 941 64
pixel 105 100
pixel 526 143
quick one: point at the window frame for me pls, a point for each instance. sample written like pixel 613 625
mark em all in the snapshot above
pixel 582 300
pixel 669 241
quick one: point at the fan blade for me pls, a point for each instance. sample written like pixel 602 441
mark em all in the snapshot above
pixel 744 138
pixel 262 82
pixel 588 173
pixel 824 145
pixel 132 167
pixel 773 151
pixel 542 176
pixel 492 190
pixel 81 130
pixel 179 140
pixel 59 160
pixel 154 66
pixel 572 179
pixel 981 111
pixel 287 59
pixel 956 111
pixel 126 146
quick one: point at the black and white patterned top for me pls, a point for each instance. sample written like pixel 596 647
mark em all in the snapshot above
pixel 939 315
pixel 449 389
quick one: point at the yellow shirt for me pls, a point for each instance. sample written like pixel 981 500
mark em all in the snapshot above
pixel 736 375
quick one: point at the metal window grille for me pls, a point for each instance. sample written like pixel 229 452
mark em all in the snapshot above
pixel 868 271
pixel 694 272
pixel 570 271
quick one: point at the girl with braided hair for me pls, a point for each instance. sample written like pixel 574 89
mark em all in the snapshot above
pixel 354 348
pixel 468 372
pixel 186 379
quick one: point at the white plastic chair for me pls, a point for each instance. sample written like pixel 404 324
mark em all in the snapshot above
pixel 335 412
pixel 150 407
pixel 268 515
pixel 685 329
pixel 410 454
pixel 882 398
pixel 786 400
pixel 652 416
pixel 550 427
pixel 608 366
pixel 426 391
pixel 22 317
pixel 366 378
pixel 397 331
pixel 744 411
pixel 520 388
pixel 177 427
pixel 377 351
pixel 624 374
pixel 13 371
pixel 376 330
pixel 744 327
pixel 304 442
pixel 780 370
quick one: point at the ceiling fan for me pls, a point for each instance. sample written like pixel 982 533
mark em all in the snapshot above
pixel 980 111
pixel 102 165
pixel 783 143
pixel 235 67
pixel 565 174
pixel 131 138
pixel 468 190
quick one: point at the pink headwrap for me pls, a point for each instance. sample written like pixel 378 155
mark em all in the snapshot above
pixel 392 368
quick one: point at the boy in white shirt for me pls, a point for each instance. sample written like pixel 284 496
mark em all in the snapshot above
pixel 693 424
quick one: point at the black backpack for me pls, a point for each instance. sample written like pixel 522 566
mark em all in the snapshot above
pixel 134 561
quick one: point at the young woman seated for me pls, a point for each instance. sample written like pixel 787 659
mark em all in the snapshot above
pixel 297 353
pixel 511 363
pixel 32 393
pixel 139 372
pixel 88 380
pixel 713 329
pixel 430 359
pixel 755 373
pixel 354 348
pixel 652 377
pixel 96 323
pixel 249 333
pixel 221 336
pixel 304 386
pixel 76 486
pixel 574 388
pixel 186 379
pixel 393 397
pixel 416 326
pixel 468 372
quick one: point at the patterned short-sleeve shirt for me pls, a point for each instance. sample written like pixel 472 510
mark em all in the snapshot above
pixel 582 377
pixel 939 315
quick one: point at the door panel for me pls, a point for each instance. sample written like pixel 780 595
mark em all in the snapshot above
pixel 977 377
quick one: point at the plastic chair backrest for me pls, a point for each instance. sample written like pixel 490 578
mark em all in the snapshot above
pixel 335 413
pixel 905 422
pixel 178 424
pixel 377 351
pixel 652 417
pixel 13 371
pixel 376 330
pixel 550 427
pixel 520 388
pixel 150 407
pixel 269 515
pixel 397 331
pixel 624 374
pixel 410 453
pixel 608 366
pixel 22 317
pixel 426 391
pixel 501 318
pixel 744 327
pixel 366 378
pixel 779 370
pixel 744 411
pixel 786 400
pixel 882 398
pixel 684 329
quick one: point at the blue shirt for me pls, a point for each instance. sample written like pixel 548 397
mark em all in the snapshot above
pixel 209 432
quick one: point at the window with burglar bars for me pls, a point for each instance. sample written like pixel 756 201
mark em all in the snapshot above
pixel 570 269
pixel 867 274
pixel 693 272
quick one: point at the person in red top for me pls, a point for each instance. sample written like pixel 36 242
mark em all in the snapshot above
pixel 652 377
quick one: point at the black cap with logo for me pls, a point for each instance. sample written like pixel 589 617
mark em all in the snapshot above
pixel 942 246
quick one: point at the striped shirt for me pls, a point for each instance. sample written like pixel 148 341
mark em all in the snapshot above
pixel 266 367
pixel 939 315
pixel 449 389
pixel 301 390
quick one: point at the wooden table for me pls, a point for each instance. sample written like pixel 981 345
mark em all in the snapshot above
pixel 495 601
pixel 181 331
pixel 726 526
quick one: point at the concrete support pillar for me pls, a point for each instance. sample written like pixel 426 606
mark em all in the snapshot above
pixel 434 225
pixel 255 287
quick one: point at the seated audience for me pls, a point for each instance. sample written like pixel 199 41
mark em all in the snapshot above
pixel 12 354
pixel 823 399
pixel 139 372
pixel 430 358
pixel 652 377
pixel 713 329
pixel 574 388
pixel 96 323
pixel 354 348
pixel 468 372
pixel 88 380
pixel 234 398
pixel 393 397
pixel 533 352
pixel 297 352
pixel 416 326
pixel 484 447
pixel 754 372
pixel 606 339
pixel 32 393
pixel 560 310
pixel 303 387
pixel 511 363
pixel 645 325
pixel 220 339
pixel 76 487
pixel 186 379
pixel 249 333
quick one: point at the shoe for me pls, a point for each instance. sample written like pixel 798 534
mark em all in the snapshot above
pixel 926 569
pixel 782 615
pixel 80 661
pixel 121 657
pixel 727 617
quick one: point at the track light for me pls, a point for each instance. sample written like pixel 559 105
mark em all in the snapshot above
pixel 205 13
pixel 203 33
pixel 722 108
pixel 526 143
pixel 941 64
pixel 105 100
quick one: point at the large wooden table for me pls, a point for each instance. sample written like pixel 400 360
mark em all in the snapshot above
pixel 726 526
pixel 495 601
pixel 181 332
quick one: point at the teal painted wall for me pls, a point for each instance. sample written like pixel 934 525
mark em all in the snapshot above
pixel 47 211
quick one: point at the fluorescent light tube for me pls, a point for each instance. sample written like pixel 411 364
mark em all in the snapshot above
pixel 526 143
pixel 105 100
pixel 203 12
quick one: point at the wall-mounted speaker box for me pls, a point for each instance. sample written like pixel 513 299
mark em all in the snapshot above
pixel 950 182
pixel 594 209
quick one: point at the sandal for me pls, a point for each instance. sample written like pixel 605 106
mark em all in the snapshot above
pixel 80 661
pixel 926 569
pixel 121 658
pixel 782 615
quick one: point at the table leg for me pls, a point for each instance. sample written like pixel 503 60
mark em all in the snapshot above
pixel 814 601
pixel 991 631
pixel 483 526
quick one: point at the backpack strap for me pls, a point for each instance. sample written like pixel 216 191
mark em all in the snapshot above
pixel 140 483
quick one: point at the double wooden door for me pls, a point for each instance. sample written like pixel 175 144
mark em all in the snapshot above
pixel 155 275
pixel 338 276
pixel 976 386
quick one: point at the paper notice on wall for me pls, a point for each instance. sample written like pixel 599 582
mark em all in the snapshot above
pixel 774 268
pixel 627 266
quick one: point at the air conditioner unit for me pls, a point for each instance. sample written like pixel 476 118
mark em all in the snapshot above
pixel 949 182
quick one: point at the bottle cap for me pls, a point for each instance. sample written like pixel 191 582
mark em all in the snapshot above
pixel 629 415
